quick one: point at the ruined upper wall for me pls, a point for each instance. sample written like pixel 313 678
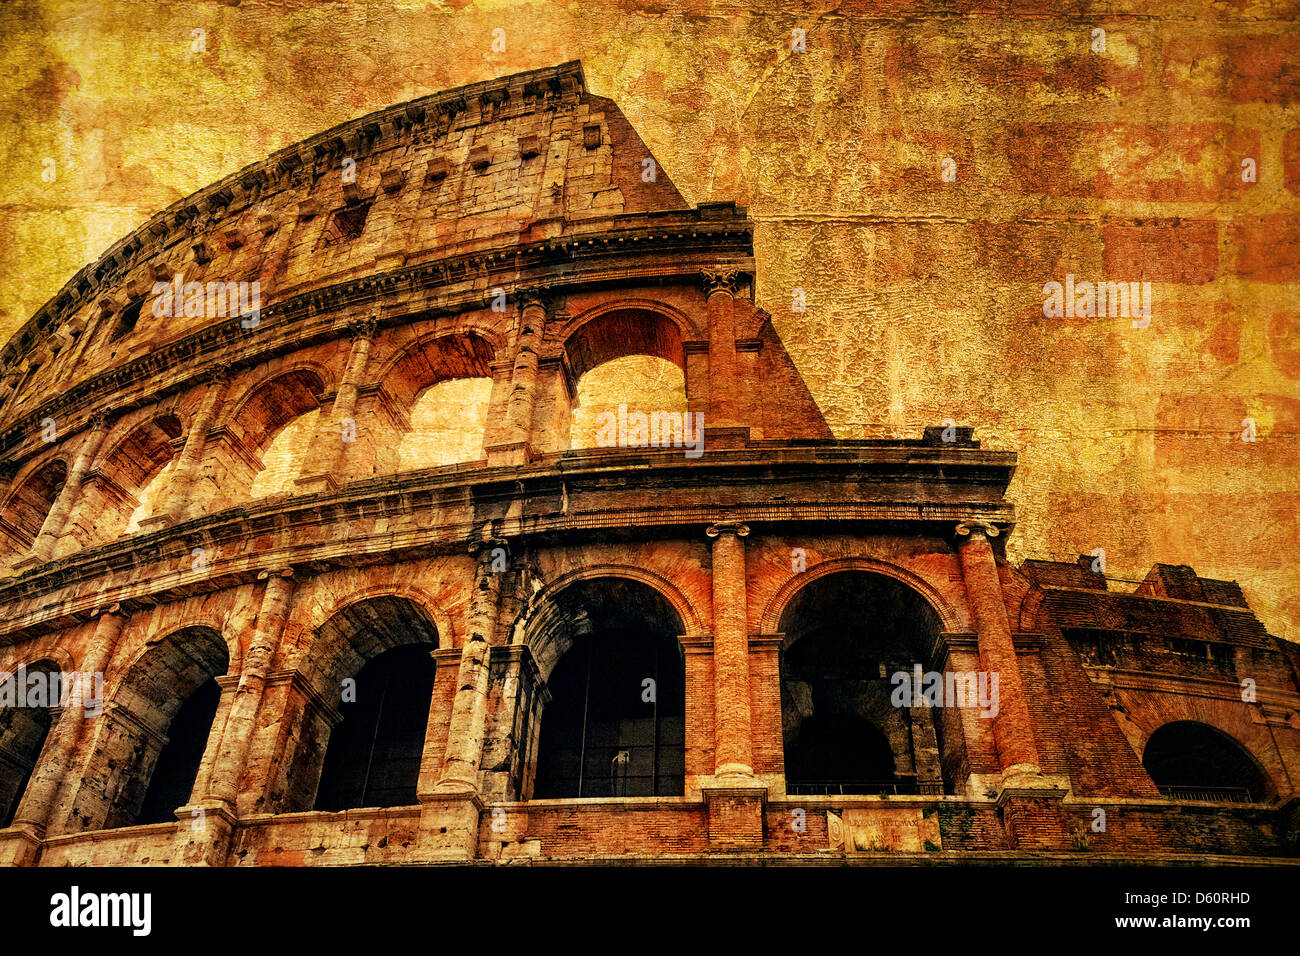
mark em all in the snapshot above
pixel 486 166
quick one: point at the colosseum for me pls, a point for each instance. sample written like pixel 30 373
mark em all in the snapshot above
pixel 434 491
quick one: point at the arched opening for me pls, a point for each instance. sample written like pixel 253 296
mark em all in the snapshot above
pixel 846 635
pixel 153 737
pixel 628 364
pixel 262 449
pixel 1194 761
pixel 615 725
pixel 440 388
pixel 26 701
pixel 25 509
pixel 374 752
pixel 448 421
pixel 178 763
pixel 372 663
pixel 128 477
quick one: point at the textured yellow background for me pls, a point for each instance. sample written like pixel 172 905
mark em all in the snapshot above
pixel 1128 439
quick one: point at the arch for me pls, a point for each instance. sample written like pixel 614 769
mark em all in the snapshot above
pixel 293 391
pixel 140 765
pixel 949 617
pixel 24 727
pixel 26 506
pixel 416 595
pixel 1188 759
pixel 847 635
pixel 688 329
pixel 609 641
pixel 437 357
pixel 371 667
pixel 542 605
pixel 620 330
pixel 130 466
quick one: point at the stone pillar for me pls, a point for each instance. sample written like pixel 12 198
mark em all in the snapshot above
pixel 320 471
pixel 735 797
pixel 523 388
pixel 1012 729
pixel 175 506
pixel 52 527
pixel 450 813
pixel 55 763
pixel 730 651
pixel 237 735
pixel 204 836
pixel 720 291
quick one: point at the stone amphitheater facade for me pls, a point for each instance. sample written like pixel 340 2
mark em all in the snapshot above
pixel 297 643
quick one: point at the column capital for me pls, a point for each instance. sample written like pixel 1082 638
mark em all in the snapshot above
pixel 540 296
pixel 220 374
pixel 727 281
pixel 727 526
pixel 977 528
pixel 280 572
pixel 365 326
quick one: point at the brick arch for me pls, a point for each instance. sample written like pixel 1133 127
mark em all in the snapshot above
pixel 440 356
pixel 169 660
pixel 141 452
pixel 540 625
pixel 357 631
pixel 272 402
pixel 25 507
pixel 1208 723
pixel 59 656
pixel 949 618
pixel 441 619
pixel 626 327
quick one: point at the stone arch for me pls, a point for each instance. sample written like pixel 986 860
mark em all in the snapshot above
pixel 619 329
pixel 24 509
pixel 542 606
pixel 25 729
pixel 687 329
pixel 435 357
pixel 135 757
pixel 236 456
pixel 948 616
pixel 129 467
pixel 357 640
pixel 1186 756
pixel 601 641
pixel 427 602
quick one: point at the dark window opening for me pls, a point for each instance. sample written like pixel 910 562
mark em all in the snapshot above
pixel 177 768
pixel 604 734
pixel 373 757
pixel 22 735
pixel 840 753
pixel 347 224
pixel 127 320
pixel 1192 761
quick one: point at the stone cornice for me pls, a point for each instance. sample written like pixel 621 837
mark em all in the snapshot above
pixel 153 568
pixel 655 246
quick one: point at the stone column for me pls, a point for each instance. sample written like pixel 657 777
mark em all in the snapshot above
pixel 237 735
pixel 450 813
pixel 63 504
pixel 523 383
pixel 320 471
pixel 720 292
pixel 1012 729
pixel 730 651
pixel 175 506
pixel 55 763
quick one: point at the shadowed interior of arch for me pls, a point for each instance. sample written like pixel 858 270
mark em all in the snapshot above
pixel 846 634
pixel 373 662
pixel 22 735
pixel 1196 761
pixel 25 508
pixel 615 724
